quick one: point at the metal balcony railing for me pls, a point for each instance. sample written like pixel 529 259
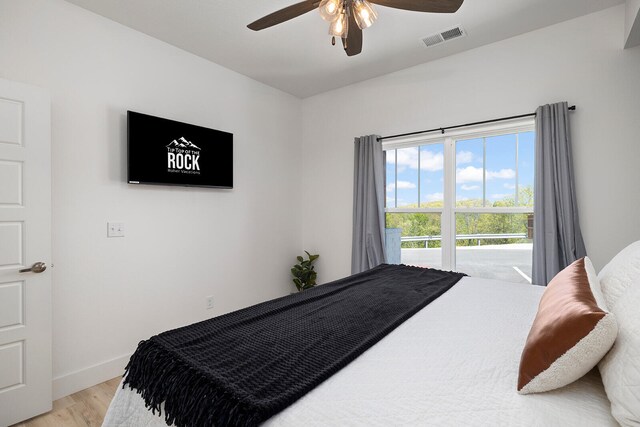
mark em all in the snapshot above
pixel 478 237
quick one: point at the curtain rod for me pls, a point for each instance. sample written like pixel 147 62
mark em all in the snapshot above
pixel 572 108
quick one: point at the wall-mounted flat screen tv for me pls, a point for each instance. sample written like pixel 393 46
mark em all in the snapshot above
pixel 167 152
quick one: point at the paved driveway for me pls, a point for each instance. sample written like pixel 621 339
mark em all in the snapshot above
pixel 503 262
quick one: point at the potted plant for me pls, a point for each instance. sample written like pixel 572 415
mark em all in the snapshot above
pixel 304 275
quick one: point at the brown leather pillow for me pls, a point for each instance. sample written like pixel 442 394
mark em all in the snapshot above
pixel 571 333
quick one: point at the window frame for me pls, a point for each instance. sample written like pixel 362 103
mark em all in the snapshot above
pixel 449 210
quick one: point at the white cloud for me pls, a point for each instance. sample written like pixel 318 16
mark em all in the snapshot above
pixel 510 186
pixel 501 174
pixel 468 174
pixel 499 196
pixel 431 161
pixel 474 174
pixel 434 197
pixel 408 158
pixel 402 185
pixel 463 157
pixel 469 187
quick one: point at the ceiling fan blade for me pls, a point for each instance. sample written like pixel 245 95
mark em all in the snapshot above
pixel 283 15
pixel 353 43
pixel 433 6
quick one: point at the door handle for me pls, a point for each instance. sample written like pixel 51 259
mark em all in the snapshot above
pixel 38 267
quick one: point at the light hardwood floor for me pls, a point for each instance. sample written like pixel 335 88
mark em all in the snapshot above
pixel 85 408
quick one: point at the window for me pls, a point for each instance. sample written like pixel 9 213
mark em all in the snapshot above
pixel 463 201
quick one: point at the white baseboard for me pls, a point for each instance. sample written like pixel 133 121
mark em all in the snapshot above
pixel 67 384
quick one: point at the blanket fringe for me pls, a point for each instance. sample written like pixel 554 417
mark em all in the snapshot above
pixel 190 398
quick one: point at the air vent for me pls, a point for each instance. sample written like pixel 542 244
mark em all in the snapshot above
pixel 444 36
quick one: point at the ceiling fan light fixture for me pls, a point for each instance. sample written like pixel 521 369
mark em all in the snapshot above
pixel 349 17
pixel 330 9
pixel 364 13
pixel 340 26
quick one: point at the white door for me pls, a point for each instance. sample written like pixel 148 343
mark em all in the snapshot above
pixel 25 239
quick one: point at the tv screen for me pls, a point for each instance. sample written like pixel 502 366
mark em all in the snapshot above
pixel 166 152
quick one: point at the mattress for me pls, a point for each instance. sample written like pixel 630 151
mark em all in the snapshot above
pixel 453 363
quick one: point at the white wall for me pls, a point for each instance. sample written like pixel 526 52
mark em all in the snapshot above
pixel 580 61
pixel 632 24
pixel 181 244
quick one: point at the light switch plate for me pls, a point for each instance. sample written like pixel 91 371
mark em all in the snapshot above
pixel 115 229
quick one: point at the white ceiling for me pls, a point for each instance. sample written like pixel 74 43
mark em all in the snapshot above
pixel 297 56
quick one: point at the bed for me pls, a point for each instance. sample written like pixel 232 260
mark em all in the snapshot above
pixel 453 363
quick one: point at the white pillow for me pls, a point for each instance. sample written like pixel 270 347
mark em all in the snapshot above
pixel 620 368
pixel 571 333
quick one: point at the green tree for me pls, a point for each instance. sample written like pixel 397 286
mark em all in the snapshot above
pixel 429 224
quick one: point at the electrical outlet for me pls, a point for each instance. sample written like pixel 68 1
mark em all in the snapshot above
pixel 209 302
pixel 115 229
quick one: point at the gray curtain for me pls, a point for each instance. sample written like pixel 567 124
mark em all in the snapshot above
pixel 367 249
pixel 557 239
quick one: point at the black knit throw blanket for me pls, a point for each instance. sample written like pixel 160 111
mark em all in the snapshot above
pixel 241 368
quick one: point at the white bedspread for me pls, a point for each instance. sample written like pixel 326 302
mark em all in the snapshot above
pixel 455 363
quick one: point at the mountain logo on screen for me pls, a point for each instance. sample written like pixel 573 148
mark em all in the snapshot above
pixel 182 143
pixel 183 157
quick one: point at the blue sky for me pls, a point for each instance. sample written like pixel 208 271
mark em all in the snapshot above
pixel 500 170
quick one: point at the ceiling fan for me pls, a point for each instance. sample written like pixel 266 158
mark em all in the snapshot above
pixel 349 17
